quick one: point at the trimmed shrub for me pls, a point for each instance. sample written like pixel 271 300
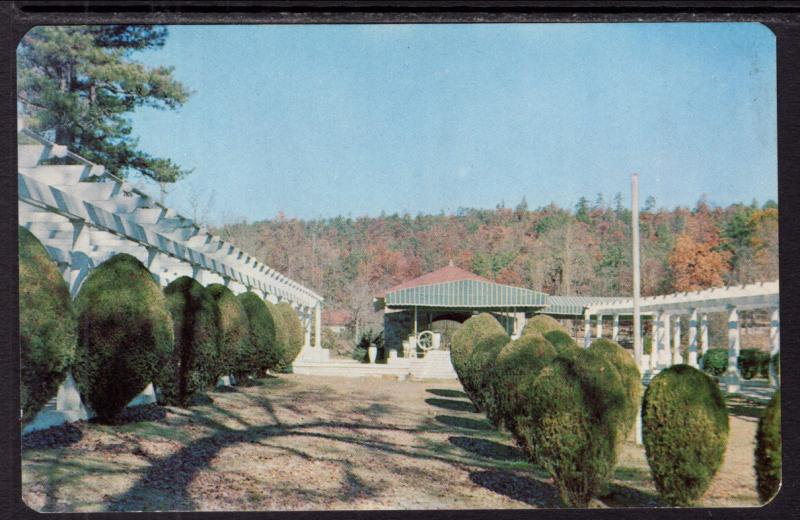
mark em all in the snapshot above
pixel 467 336
pixel 235 348
pixel 542 324
pixel 768 450
pixel 480 366
pixel 266 353
pixel 631 378
pixel 570 424
pixel 125 334
pixel 47 326
pixel 753 362
pixel 561 341
pixel 524 356
pixel 715 361
pixel 294 332
pixel 281 330
pixel 194 366
pixel 685 429
pixel 776 362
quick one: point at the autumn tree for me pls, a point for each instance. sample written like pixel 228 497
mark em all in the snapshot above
pixel 696 265
pixel 81 83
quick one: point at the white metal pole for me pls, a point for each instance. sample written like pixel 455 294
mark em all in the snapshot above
pixel 637 323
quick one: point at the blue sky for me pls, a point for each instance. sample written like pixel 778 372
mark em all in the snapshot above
pixel 323 120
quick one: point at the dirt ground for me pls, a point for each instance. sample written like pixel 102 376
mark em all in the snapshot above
pixel 308 443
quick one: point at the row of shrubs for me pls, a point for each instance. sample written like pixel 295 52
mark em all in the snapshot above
pixel 752 362
pixel 569 408
pixel 122 332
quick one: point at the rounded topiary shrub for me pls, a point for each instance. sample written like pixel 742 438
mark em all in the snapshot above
pixel 194 365
pixel 294 333
pixel 467 336
pixel 542 324
pixel 753 362
pixel 281 329
pixel 715 361
pixel 125 334
pixel 570 423
pixel 768 450
pixel 685 431
pixel 47 326
pixel 479 368
pixel 235 350
pixel 631 377
pixel 524 356
pixel 561 341
pixel 266 352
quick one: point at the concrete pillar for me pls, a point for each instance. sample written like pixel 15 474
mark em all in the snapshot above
pixel 732 378
pixel 704 334
pixel 693 338
pixel 318 325
pixel 307 326
pixel 775 344
pixel 654 332
pixel 599 333
pixel 664 358
pixel 587 329
pixel 615 329
pixel 677 358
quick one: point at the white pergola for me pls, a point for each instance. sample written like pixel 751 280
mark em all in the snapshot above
pixel 83 216
pixel 697 305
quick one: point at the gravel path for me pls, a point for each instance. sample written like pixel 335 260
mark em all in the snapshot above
pixel 309 443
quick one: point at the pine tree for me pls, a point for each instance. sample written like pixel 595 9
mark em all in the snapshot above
pixel 81 83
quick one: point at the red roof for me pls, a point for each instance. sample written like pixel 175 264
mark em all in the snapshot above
pixel 449 273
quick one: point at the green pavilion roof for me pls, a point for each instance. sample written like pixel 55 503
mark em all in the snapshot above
pixel 473 294
pixel 451 287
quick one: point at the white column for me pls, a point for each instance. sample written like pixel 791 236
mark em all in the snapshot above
pixel 775 343
pixel 307 326
pixel 599 333
pixel 677 358
pixel 587 329
pixel 693 338
pixel 704 334
pixel 664 358
pixel 731 377
pixel 615 328
pixel 655 323
pixel 318 325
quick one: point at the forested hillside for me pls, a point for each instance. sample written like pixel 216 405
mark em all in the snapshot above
pixel 585 250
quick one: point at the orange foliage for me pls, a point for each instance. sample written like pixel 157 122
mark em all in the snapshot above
pixel 697 265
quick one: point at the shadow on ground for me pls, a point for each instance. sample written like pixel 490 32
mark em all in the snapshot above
pixel 744 408
pixel 56 437
pixel 450 404
pixel 446 392
pixel 516 487
pixel 618 495
pixel 464 423
pixel 487 449
pixel 146 412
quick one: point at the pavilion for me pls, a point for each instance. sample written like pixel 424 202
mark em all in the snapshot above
pixel 451 293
